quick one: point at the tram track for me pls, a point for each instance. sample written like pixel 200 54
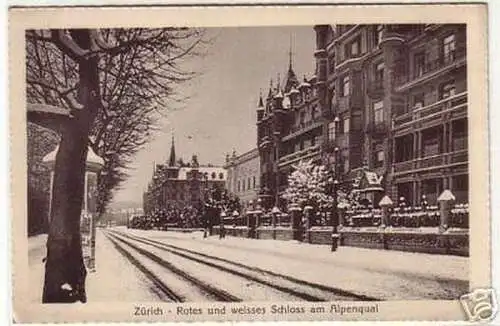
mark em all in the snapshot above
pixel 294 287
pixel 190 282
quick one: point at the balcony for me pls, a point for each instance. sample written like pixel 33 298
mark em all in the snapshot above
pixel 299 155
pixel 303 128
pixel 389 35
pixel 456 105
pixel 431 68
pixel 264 142
pixel 431 162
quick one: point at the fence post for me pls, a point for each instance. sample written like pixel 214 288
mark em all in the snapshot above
pixel 307 214
pixel 445 203
pixel 385 203
pixel 341 214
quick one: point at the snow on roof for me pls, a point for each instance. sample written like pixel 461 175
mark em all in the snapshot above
pixel 372 178
pixel 91 157
pixel 212 172
pixel 446 196
pixel 385 201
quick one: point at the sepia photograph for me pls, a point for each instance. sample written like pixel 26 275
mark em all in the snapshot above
pixel 250 172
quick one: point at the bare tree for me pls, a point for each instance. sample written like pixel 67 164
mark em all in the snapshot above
pixel 113 84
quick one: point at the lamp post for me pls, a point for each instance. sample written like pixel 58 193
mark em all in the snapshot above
pixel 335 211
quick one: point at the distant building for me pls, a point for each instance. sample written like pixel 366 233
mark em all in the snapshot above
pixel 176 185
pixel 243 175
pixel 386 101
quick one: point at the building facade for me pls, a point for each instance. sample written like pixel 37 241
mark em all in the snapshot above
pixel 243 175
pixel 181 185
pixel 390 100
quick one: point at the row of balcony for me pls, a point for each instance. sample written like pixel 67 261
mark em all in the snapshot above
pixel 440 160
pixel 432 67
pixel 307 152
pixel 452 103
pixel 303 127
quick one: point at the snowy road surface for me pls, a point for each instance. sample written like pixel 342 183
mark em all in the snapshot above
pixel 198 269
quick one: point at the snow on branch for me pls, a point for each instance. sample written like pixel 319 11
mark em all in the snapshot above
pixel 67 45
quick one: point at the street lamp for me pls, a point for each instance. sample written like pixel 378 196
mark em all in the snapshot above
pixel 335 211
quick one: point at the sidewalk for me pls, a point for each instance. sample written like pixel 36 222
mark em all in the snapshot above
pixel 383 274
pixel 115 279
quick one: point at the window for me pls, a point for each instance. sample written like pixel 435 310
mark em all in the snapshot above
pixel 213 175
pixel 378 34
pixel 418 101
pixel 378 111
pixel 331 63
pixel 248 183
pixel 353 49
pixel 243 185
pixel 239 186
pixel 344 82
pixel 431 144
pixel 346 125
pixel 221 175
pixel 331 131
pixel 313 113
pixel 379 72
pixel 332 98
pixel 449 48
pixel 447 90
pixel 345 161
pixel 419 64
pixel 379 158
pixel 253 182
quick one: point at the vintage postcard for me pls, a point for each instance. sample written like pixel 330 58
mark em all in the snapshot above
pixel 314 163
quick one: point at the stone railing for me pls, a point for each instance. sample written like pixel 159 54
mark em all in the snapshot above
pixel 452 103
pixel 439 160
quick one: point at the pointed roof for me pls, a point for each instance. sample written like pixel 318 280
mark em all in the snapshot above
pixel 291 78
pixel 260 106
pixel 171 161
pixel 270 93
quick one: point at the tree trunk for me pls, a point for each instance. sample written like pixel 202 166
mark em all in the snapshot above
pixel 64 265
pixel 65 270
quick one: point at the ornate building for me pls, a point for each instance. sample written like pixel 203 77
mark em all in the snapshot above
pixel 180 185
pixel 387 100
pixel 243 175
pixel 289 129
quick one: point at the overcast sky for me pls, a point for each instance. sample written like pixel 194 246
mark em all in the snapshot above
pixel 219 115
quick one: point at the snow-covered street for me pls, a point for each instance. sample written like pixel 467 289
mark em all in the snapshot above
pixel 207 269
